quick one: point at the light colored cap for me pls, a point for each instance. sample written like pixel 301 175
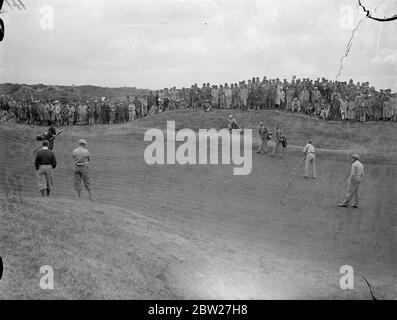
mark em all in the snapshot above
pixel 231 116
pixel 82 141
pixel 356 156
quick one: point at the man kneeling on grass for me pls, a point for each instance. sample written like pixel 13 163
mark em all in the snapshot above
pixel 81 158
pixel 45 162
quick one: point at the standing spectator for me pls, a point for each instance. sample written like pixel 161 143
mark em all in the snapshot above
pixel 71 115
pixel 40 113
pixel 81 159
pixel 91 114
pixel 272 93
pixel 394 108
pixel 250 97
pixel 208 92
pixel 53 113
pixel 105 112
pixel 243 96
pixel 112 113
pixel 64 114
pixel 343 109
pixel 84 111
pixel 138 107
pixel 34 114
pixel 132 112
pixel 257 96
pixel 215 97
pixel 47 112
pixel 222 98
pixel 280 96
pixel 57 112
pixel 228 96
pixel 29 113
pixel 386 114
pixel 335 108
pixel 235 96
pixel 98 112
pixel 118 113
pixel 289 97
pixel 350 109
pixel 304 98
pixel 77 116
pixel 80 114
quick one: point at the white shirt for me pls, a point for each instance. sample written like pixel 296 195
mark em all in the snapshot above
pixel 357 171
pixel 309 149
pixel 81 156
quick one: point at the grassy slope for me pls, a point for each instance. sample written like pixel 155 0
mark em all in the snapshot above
pixel 101 251
pixel 105 252
pixel 368 137
pixel 97 251
pixel 375 138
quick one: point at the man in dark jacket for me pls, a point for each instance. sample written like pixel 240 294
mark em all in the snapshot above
pixel 44 163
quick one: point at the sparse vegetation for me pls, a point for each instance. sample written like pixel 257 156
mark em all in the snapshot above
pixel 52 92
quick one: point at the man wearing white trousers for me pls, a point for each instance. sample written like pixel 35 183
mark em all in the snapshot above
pixel 356 177
pixel 310 158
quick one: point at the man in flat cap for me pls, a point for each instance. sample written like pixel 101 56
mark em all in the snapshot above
pixel 356 177
pixel 81 158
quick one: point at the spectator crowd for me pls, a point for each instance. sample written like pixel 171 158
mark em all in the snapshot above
pixel 322 98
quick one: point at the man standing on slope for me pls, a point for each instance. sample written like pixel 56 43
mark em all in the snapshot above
pixel 44 163
pixel 265 136
pixel 356 177
pixel 81 158
pixel 310 157
pixel 278 142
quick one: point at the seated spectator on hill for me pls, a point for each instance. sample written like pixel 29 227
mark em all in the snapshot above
pixel 296 105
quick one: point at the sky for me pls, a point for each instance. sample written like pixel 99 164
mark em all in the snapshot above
pixel 163 43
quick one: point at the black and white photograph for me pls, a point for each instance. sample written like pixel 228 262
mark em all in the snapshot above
pixel 198 150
